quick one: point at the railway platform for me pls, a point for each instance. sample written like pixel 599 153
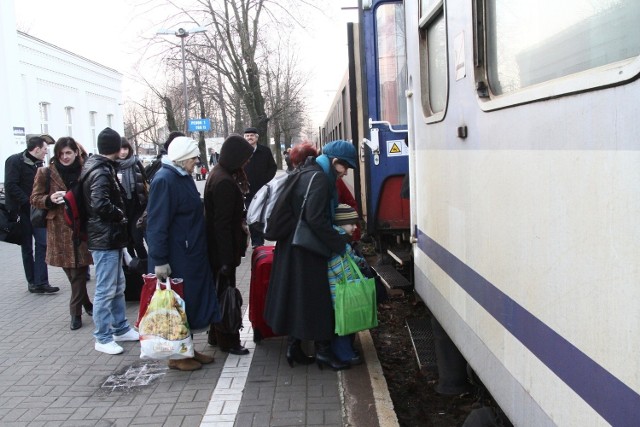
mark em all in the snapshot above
pixel 52 376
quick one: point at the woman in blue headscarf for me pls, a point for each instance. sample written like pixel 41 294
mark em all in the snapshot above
pixel 298 300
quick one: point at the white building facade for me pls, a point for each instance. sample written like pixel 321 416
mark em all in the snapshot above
pixel 46 89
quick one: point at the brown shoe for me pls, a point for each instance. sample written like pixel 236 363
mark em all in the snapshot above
pixel 203 358
pixel 185 364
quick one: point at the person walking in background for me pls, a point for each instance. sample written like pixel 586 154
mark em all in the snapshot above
pixel 226 232
pixel 132 179
pixel 298 302
pixel 177 241
pixel 19 174
pixel 260 170
pixel 107 236
pixel 74 257
pixel 213 157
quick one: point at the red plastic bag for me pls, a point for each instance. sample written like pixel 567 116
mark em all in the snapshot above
pixel 149 288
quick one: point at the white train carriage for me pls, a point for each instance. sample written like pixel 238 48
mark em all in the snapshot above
pixel 524 141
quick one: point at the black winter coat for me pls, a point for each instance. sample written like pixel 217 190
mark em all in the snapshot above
pixel 106 224
pixel 299 298
pixel 260 170
pixel 19 174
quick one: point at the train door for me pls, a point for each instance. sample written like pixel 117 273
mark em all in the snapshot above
pixel 385 134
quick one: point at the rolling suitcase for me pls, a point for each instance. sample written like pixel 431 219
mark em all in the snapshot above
pixel 261 261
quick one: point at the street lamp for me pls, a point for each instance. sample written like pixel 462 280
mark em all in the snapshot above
pixel 182 33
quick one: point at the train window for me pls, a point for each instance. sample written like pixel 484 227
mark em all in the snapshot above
pixel 433 60
pixel 392 62
pixel 530 43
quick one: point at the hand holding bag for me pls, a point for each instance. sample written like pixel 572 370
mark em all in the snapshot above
pixel 304 237
pixel 164 329
pixel 355 303
pixel 39 216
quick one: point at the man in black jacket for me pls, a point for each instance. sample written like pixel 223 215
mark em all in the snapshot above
pixel 260 170
pixel 107 232
pixel 19 173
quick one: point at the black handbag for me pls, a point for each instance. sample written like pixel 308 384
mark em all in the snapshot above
pixel 230 303
pixel 304 237
pixel 10 228
pixel 39 216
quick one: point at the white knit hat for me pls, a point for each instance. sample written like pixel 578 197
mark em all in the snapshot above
pixel 182 148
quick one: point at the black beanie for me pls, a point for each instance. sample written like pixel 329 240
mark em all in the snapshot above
pixel 109 141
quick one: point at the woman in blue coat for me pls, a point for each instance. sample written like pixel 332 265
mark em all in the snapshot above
pixel 177 241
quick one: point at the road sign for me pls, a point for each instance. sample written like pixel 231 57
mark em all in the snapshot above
pixel 199 125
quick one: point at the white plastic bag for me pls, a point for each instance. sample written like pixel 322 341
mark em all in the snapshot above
pixel 164 330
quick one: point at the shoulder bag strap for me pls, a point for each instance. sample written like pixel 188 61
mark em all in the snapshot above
pixel 304 202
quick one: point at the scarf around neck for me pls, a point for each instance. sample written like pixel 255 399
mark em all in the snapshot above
pixel 127 167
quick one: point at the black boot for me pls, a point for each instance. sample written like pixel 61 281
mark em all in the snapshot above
pixel 295 353
pixel 324 356
pixel 211 336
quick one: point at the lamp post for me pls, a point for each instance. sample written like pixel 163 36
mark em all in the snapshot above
pixel 182 33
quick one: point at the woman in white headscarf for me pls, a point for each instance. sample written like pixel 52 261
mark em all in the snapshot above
pixel 177 240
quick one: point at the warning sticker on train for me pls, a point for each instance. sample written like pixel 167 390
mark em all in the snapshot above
pixel 397 148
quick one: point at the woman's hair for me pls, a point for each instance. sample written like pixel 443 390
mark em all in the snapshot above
pixel 64 142
pixel 300 152
pixel 126 144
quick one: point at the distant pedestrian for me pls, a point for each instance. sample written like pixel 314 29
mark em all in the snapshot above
pixel 226 232
pixel 177 240
pixel 19 174
pixel 213 157
pixel 260 170
pixel 74 257
pixel 107 230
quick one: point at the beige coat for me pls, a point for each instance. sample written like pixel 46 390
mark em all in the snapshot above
pixel 60 247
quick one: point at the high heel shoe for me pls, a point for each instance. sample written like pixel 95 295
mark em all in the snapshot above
pixel 325 357
pixel 295 354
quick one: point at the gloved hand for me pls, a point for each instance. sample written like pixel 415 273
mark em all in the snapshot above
pixel 225 270
pixel 162 272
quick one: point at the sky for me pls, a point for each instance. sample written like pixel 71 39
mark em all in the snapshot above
pixel 113 34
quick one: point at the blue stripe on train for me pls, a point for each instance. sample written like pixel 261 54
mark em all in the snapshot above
pixel 617 403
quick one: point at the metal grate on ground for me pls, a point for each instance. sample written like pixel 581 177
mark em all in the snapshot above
pixel 422 340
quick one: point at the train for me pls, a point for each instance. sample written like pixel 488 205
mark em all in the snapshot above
pixel 514 128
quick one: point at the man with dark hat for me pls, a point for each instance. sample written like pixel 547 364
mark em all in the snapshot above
pixel 107 232
pixel 260 170
pixel 19 174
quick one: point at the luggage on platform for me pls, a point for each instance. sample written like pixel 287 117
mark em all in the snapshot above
pixel 134 283
pixel 261 262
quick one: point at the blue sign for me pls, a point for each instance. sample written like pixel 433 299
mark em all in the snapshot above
pixel 199 125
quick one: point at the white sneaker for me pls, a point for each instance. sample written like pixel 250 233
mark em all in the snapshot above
pixel 131 335
pixel 110 348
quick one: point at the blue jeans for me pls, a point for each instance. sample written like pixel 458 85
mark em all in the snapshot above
pixel 35 269
pixel 109 307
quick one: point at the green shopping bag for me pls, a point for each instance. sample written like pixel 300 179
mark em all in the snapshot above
pixel 355 303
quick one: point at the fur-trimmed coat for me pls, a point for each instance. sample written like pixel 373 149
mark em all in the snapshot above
pixel 60 248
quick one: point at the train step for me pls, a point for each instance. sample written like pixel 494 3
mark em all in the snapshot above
pixel 422 340
pixel 391 278
pixel 401 256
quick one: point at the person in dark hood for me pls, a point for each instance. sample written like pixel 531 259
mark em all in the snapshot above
pixel 226 229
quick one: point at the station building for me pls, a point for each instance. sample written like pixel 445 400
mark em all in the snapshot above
pixel 47 89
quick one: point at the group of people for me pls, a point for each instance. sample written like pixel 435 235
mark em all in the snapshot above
pixel 181 232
